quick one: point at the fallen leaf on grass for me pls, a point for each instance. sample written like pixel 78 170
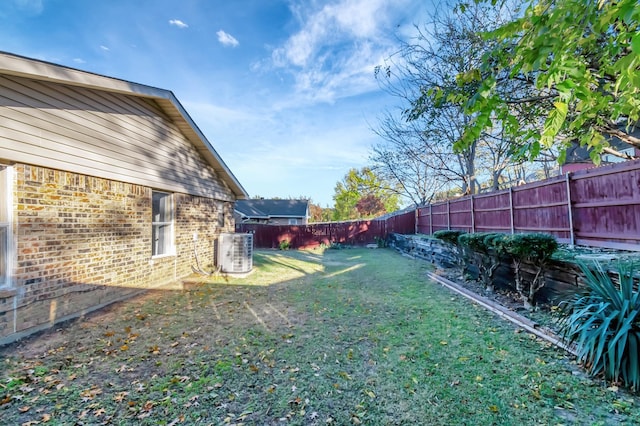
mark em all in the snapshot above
pixel 345 375
pixel 177 420
pixel 120 396
pixel 493 408
pixel 24 409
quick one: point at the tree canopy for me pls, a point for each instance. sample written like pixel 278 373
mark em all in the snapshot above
pixel 580 60
pixel 364 194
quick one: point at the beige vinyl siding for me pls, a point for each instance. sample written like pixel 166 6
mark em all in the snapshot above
pixel 101 134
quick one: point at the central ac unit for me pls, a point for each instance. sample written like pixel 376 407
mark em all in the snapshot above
pixel 235 253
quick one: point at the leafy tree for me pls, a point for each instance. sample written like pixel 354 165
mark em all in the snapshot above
pixel 370 206
pixel 319 214
pixel 579 59
pixel 363 184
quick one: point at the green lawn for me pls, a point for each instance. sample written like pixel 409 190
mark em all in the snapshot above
pixel 339 337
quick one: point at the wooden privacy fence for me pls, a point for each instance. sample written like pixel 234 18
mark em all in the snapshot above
pixel 359 232
pixel 596 207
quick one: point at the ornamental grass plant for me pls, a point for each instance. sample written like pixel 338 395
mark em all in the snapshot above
pixel 604 324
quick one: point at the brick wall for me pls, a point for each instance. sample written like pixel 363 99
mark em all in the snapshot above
pixel 83 242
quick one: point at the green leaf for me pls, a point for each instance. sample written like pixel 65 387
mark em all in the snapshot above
pixel 635 44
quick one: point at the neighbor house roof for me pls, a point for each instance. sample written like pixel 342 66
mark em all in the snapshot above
pixel 577 153
pixel 20 66
pixel 265 209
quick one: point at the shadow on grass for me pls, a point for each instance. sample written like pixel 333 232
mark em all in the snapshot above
pixel 345 337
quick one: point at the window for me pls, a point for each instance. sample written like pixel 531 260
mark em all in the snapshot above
pixel 220 214
pixel 293 221
pixel 5 224
pixel 162 235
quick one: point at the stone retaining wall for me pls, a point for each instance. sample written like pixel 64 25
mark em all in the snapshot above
pixel 562 278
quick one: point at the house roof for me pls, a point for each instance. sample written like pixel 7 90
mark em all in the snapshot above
pixel 577 153
pixel 265 209
pixel 21 66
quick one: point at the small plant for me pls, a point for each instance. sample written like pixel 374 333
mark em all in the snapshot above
pixel 284 245
pixel 381 242
pixel 605 324
pixel 535 249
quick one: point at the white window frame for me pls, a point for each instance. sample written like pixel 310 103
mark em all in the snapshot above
pixel 6 220
pixel 162 223
pixel 221 215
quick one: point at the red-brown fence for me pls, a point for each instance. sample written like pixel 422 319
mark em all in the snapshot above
pixel 595 207
pixel 313 235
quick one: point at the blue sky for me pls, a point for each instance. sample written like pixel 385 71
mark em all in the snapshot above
pixel 284 90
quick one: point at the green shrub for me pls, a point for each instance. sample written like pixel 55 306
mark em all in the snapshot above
pixel 449 236
pixel 605 325
pixel 284 245
pixel 535 249
pixel 381 242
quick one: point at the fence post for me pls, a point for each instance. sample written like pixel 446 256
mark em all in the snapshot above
pixel 448 217
pixel 473 223
pixel 416 216
pixel 511 209
pixel 571 231
pixel 430 219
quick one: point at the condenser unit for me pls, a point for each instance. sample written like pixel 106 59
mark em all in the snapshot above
pixel 235 253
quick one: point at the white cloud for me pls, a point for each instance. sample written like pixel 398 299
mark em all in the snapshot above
pixel 33 6
pixel 105 48
pixel 227 39
pixel 334 53
pixel 79 61
pixel 178 23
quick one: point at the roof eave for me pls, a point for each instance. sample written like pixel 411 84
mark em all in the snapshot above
pixel 20 66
